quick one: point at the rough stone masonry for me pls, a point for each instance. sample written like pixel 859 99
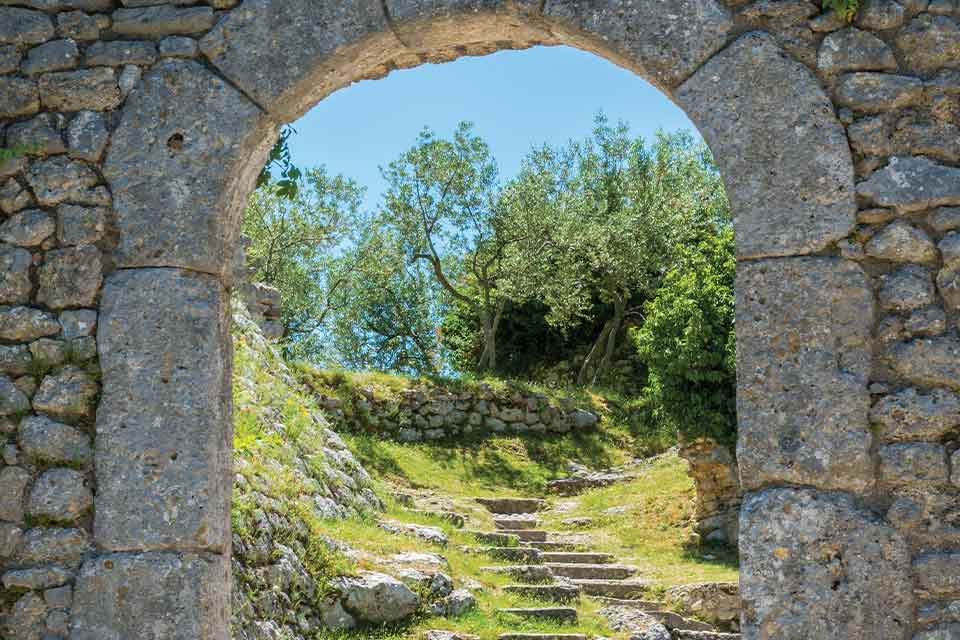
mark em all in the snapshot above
pixel 145 123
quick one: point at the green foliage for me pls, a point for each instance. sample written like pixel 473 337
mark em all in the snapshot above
pixel 687 341
pixel 845 9
pixel 287 185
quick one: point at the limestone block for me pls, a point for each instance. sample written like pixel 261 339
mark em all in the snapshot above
pixel 45 440
pixel 913 462
pixel 18 97
pixel 116 53
pixel 803 355
pixel 69 393
pixel 912 184
pixel 872 92
pixel 162 20
pixel 932 362
pixel 43 545
pixel 908 288
pixel 93 89
pixel 929 43
pixel 27 229
pixel 790 198
pixel 59 179
pixel 14 481
pixel 70 277
pixel 15 282
pixel 179 189
pixel 325 46
pixel 23 26
pixel 900 241
pixel 814 565
pixel 40 135
pixel 914 415
pixel 57 55
pixel 152 596
pixel 163 442
pixel 854 50
pixel 938 574
pixel 19 324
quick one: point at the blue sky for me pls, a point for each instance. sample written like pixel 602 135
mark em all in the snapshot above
pixel 517 99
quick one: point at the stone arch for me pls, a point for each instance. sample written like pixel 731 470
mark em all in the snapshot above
pixel 821 558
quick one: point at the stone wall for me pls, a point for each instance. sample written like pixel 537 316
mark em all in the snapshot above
pixel 716 478
pixel 148 121
pixel 428 411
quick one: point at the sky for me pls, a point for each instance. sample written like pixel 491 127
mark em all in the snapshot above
pixel 516 99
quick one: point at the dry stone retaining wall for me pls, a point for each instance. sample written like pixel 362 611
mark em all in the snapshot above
pixel 148 121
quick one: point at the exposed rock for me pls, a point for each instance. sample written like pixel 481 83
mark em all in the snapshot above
pixel 898 184
pixel 22 26
pixel 87 136
pixel 936 139
pixel 634 623
pixel 80 225
pixel 71 277
pixel 20 324
pixel 179 47
pixel 938 574
pixel 35 578
pixel 848 573
pixel 913 462
pixel 455 604
pixel 47 441
pixel 18 97
pixel 855 50
pixel 67 394
pixel 78 323
pixel 424 532
pixel 14 359
pixel 60 179
pixel 28 228
pixel 162 20
pixel 880 15
pixel 908 288
pixel 803 353
pixel 15 282
pixel 945 219
pixel 930 42
pixel 948 283
pixel 15 481
pixel 13 197
pixel 931 321
pixel 931 362
pixel 950 249
pixel 59 495
pixel 56 55
pixel 871 92
pixel 376 598
pixel 93 89
pixel 43 545
pixel 78 25
pixel 39 135
pixel 715 602
pixel 116 53
pixel 809 175
pixel 12 399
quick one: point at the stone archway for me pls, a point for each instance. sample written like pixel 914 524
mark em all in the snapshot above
pixel 841 521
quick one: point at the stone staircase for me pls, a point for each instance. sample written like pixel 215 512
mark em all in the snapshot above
pixel 559 573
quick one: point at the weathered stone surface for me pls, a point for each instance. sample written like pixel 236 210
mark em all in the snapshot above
pixel 80 225
pixel 67 394
pixel 27 229
pixel 327 46
pixel 18 97
pixel 809 176
pixel 376 597
pixel 27 618
pixel 116 53
pixel 12 400
pixel 950 249
pixel 43 545
pixel 913 462
pixel 14 197
pixel 60 179
pixel 940 140
pixel 634 623
pixel 59 495
pixel 14 359
pixel 940 632
pixel 78 323
pixel 179 47
pixel 666 47
pixel 931 321
pixel 35 578
pixel 39 135
pixel 22 26
pixel 803 353
pixel 938 574
pixel 152 596
pixel 162 20
pixel 129 79
pixel 44 440
pixel 56 55
pixel 9 58
pixel 10 538
pixel 164 351
pixel 900 241
pixel 945 219
pixel 854 50
pixel 948 283
pixel 14 481
pixel 14 275
pixel 19 324
pixel 880 15
pixel 177 188
pixel 929 43
pixel 77 25
pixel 909 287
pixel 93 89
pixel 872 92
pixel 70 277
pixel 912 415
pixel 816 566
pixel 912 184
pixel 931 362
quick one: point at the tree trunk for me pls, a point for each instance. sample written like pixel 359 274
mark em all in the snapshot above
pixel 488 355
pixel 619 310
pixel 586 369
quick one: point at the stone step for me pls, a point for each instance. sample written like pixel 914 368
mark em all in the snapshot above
pixel 454 518
pixel 578 557
pixel 513 505
pixel 641 605
pixel 675 622
pixel 562 593
pixel 511 523
pixel 498 538
pixel 530 535
pixel 592 571
pixel 561 614
pixel 555 546
pixel 525 555
pixel 625 589
pixel 705 635
pixel 542 636
pixel 529 573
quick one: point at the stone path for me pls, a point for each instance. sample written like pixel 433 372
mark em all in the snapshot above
pixel 559 573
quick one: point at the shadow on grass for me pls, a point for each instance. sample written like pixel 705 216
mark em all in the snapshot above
pixel 718 555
